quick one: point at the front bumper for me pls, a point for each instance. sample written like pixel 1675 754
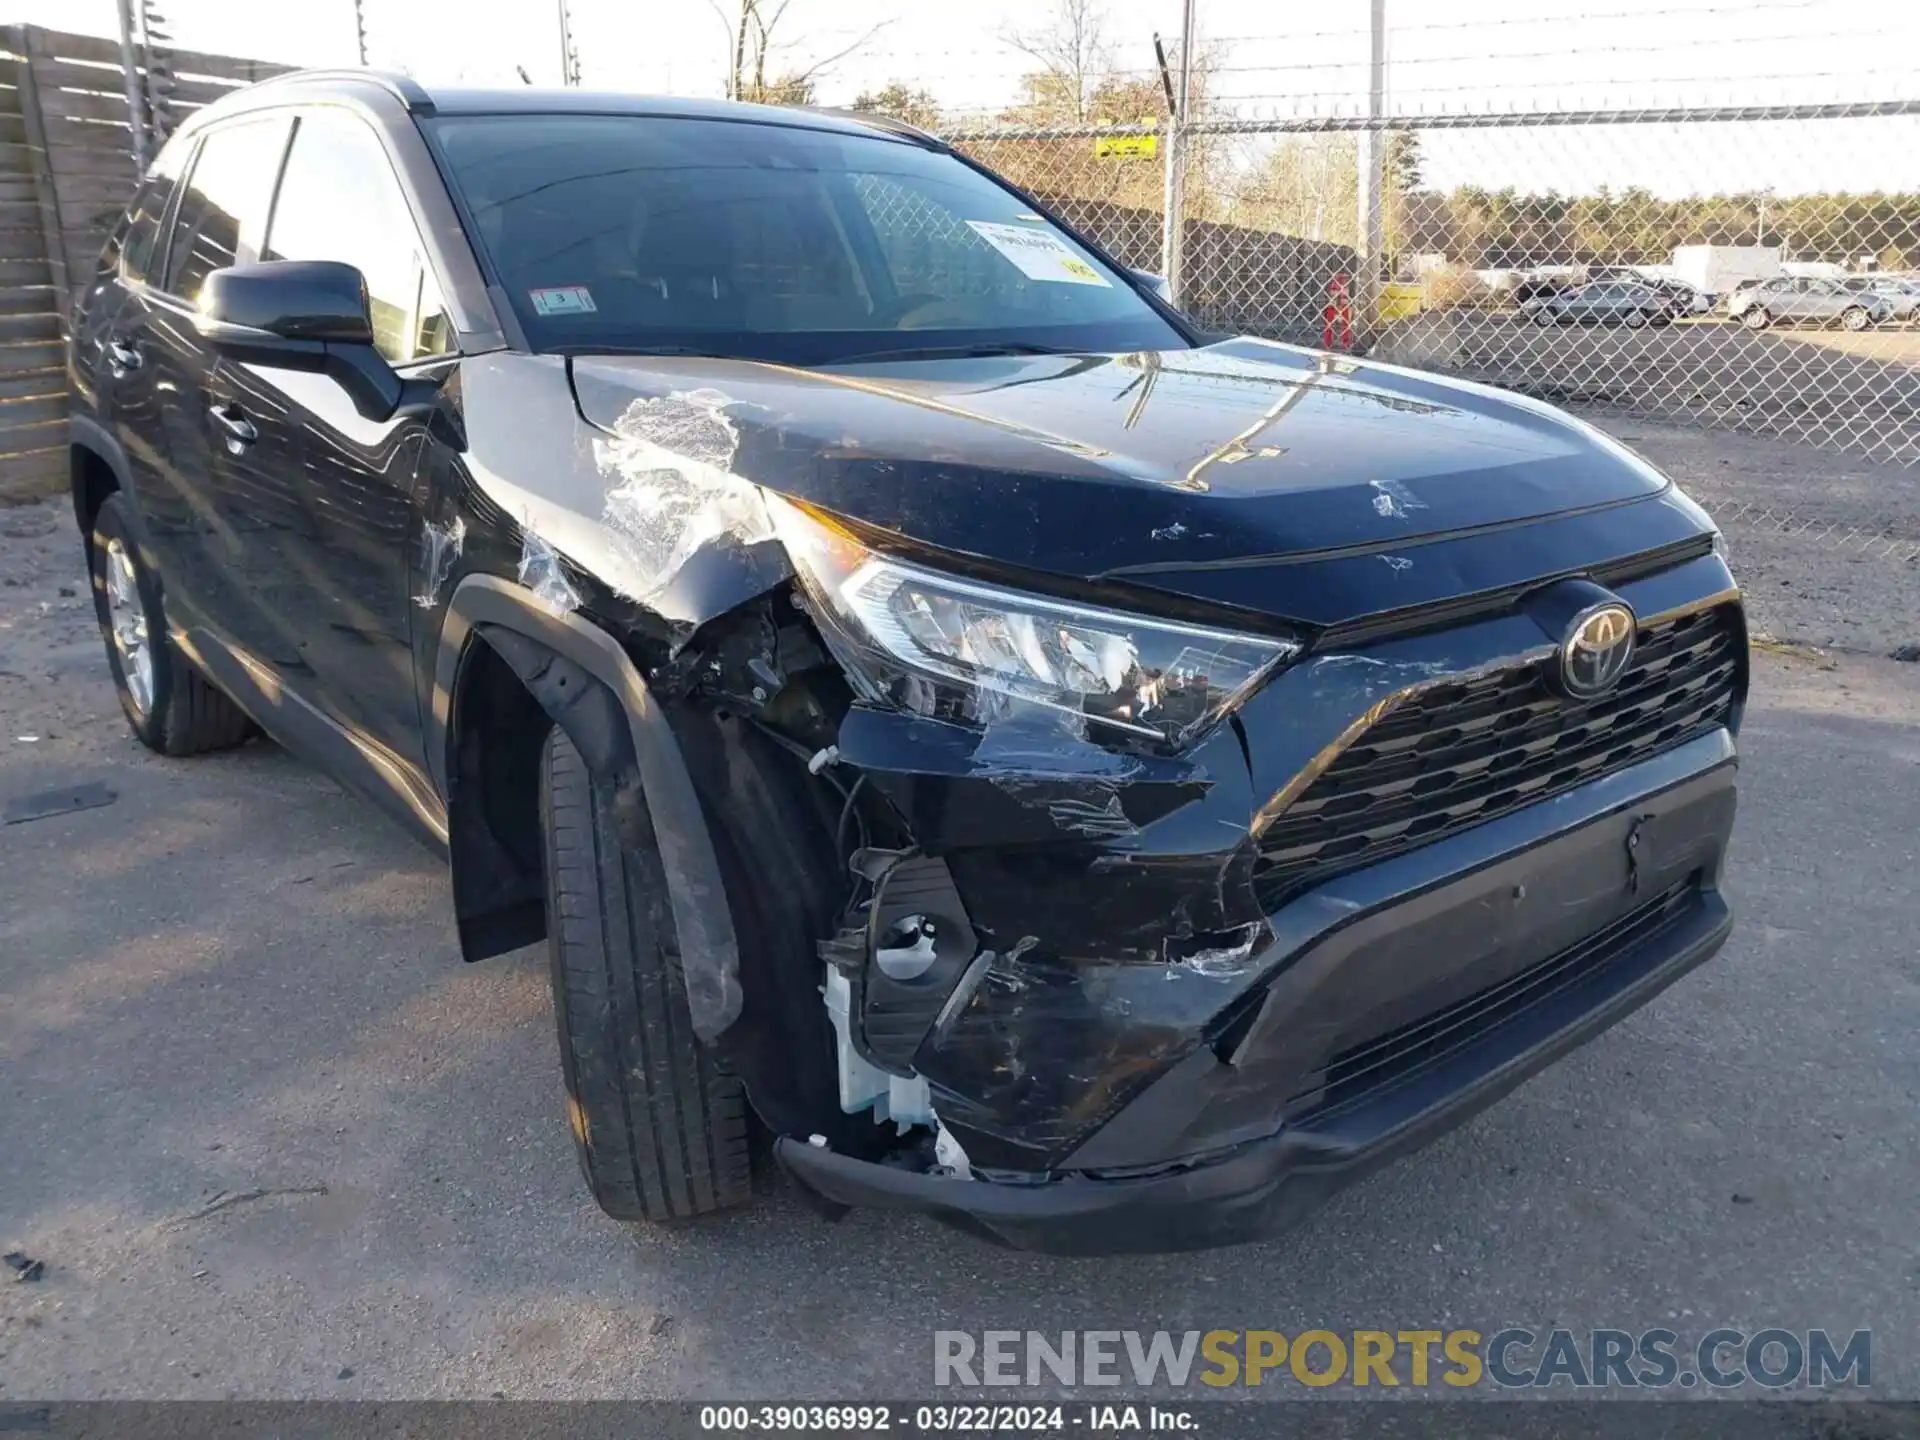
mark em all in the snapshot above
pixel 1150 1023
pixel 1460 969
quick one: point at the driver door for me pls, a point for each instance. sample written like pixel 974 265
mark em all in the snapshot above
pixel 348 579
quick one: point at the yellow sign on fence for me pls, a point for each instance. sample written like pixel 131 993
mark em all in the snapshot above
pixel 1400 300
pixel 1126 147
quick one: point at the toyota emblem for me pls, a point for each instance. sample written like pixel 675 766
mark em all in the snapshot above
pixel 1595 652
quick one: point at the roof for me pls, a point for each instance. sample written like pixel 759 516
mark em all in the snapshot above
pixel 536 100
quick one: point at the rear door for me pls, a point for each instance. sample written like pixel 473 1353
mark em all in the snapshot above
pixel 348 579
pixel 114 349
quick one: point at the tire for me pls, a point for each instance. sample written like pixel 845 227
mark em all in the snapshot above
pixel 171 707
pixel 1636 320
pixel 1543 317
pixel 1756 318
pixel 661 1130
pixel 1855 318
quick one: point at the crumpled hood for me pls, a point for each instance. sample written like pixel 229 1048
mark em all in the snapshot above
pixel 1150 469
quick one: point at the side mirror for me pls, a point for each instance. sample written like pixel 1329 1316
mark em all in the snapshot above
pixel 309 315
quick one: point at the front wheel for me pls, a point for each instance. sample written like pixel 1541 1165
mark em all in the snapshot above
pixel 171 707
pixel 1756 318
pixel 659 1126
pixel 1636 319
pixel 1854 318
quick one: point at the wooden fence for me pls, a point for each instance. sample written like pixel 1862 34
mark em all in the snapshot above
pixel 67 170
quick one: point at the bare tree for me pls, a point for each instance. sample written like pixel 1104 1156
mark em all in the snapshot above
pixel 1073 52
pixel 752 46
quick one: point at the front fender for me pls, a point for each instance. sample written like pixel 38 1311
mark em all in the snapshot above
pixel 584 680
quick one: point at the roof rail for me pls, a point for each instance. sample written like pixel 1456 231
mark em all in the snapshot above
pixel 403 88
pixel 874 119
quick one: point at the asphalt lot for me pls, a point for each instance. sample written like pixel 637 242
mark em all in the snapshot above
pixel 272 1139
pixel 1818 385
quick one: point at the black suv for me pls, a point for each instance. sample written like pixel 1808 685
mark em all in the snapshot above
pixel 1100 784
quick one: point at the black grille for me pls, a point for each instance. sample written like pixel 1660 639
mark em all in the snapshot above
pixel 1458 754
pixel 1363 1069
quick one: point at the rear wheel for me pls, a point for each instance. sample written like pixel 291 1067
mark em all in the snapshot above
pixel 1854 317
pixel 171 707
pixel 660 1127
pixel 1636 319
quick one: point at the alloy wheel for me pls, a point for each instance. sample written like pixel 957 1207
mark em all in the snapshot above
pixel 127 616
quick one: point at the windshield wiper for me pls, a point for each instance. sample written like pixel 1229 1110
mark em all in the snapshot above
pixel 587 351
pixel 948 352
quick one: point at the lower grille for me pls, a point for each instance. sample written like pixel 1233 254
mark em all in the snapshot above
pixel 1461 753
pixel 1363 1069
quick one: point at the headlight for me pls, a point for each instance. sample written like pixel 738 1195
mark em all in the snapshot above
pixel 940 645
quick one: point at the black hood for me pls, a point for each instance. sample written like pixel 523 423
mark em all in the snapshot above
pixel 1199 472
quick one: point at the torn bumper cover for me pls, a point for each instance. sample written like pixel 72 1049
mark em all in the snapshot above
pixel 1390 1004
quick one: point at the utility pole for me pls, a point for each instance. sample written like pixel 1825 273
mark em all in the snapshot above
pixel 1372 151
pixel 1174 196
pixel 569 57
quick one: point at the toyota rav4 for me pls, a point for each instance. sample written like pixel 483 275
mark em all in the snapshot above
pixel 957 726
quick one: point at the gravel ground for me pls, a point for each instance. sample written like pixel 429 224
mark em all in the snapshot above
pixel 1826 546
pixel 272 1139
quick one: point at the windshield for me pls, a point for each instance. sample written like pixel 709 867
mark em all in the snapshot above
pixel 718 237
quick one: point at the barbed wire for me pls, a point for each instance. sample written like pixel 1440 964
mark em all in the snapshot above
pixel 1663 15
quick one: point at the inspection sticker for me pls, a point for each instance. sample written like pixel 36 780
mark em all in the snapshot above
pixel 562 300
pixel 1039 254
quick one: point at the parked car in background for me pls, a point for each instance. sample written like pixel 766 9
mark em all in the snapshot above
pixel 1901 294
pixel 1680 297
pixel 1540 287
pixel 1802 300
pixel 1605 302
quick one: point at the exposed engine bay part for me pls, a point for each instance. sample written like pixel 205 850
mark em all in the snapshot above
pixel 864 1086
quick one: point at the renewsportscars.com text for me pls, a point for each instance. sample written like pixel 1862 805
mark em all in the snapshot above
pixel 1512 1358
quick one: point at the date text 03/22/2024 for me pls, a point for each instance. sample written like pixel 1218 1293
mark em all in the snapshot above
pixel 1102 1419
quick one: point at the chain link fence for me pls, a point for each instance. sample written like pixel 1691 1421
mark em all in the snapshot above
pixel 1682 294
pixel 1712 276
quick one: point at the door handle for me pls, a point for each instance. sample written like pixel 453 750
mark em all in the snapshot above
pixel 234 425
pixel 122 358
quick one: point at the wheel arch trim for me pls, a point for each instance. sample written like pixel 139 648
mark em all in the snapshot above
pixel 705 938
pixel 88 434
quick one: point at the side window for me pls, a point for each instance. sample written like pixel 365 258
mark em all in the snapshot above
pixel 339 200
pixel 225 203
pixel 149 212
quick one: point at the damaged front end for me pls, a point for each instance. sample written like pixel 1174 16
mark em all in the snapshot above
pixel 1073 905
pixel 1065 985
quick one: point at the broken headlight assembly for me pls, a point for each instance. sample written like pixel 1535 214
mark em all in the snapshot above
pixel 960 649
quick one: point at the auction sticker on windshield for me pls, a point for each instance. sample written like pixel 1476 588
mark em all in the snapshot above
pixel 1039 254
pixel 562 300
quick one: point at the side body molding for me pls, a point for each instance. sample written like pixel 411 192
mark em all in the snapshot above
pixel 586 683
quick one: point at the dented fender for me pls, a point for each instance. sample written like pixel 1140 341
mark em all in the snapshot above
pixel 648 516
